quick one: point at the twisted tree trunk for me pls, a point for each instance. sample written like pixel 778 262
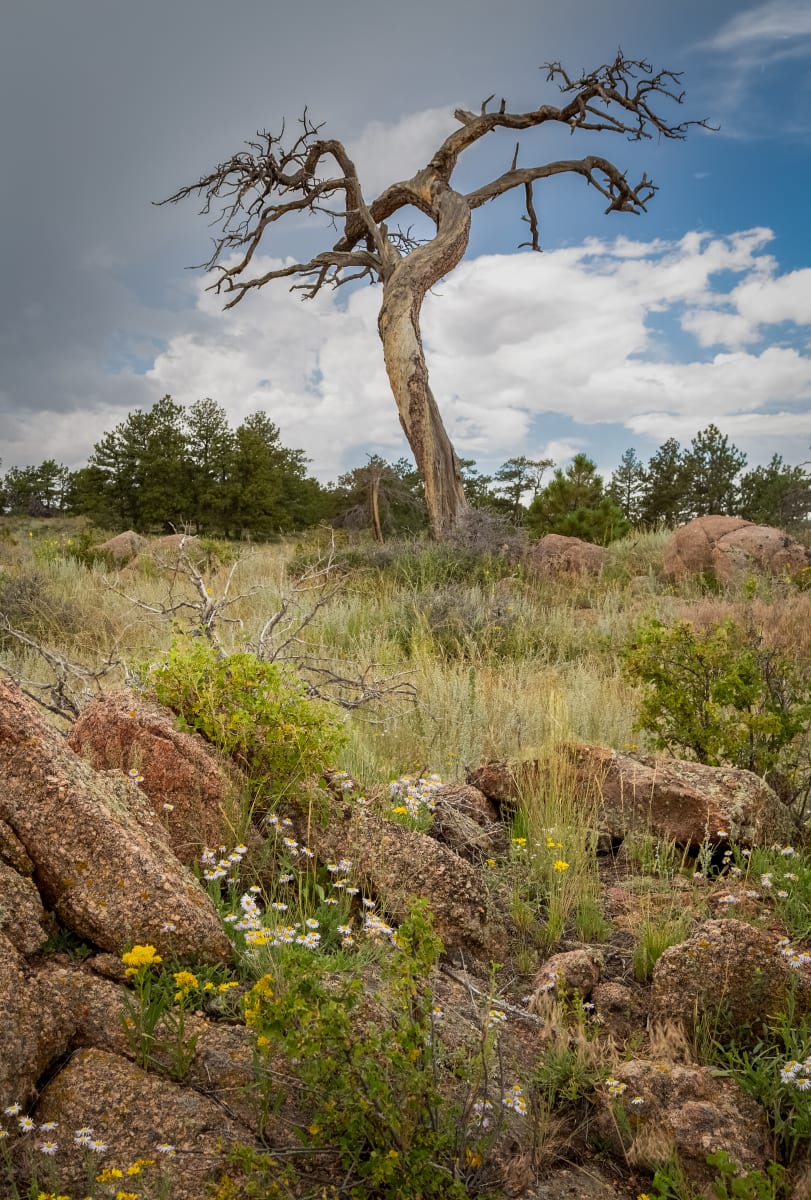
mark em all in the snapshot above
pixel 404 289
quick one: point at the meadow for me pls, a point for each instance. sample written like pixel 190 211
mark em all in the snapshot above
pixel 442 658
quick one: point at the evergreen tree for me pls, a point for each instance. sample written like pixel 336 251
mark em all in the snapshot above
pixel 269 491
pixel 575 503
pixel 210 453
pixel 385 498
pixel 627 486
pixel 517 476
pixel 711 467
pixel 664 497
pixel 137 475
pixel 776 495
pixel 477 486
pixel 39 491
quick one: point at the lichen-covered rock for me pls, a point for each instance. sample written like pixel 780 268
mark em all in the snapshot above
pixel 398 865
pixel 22 917
pixel 123 547
pixel 558 555
pixel 102 861
pixel 191 793
pixel 731 973
pixel 730 548
pixel 667 1108
pixel 570 973
pixel 684 802
pixel 35 1028
pixel 133 1113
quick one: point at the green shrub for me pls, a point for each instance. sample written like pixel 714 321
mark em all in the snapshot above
pixel 721 697
pixel 258 713
pixel 369 1088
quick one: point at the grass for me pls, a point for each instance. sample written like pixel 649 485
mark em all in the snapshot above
pixel 497 666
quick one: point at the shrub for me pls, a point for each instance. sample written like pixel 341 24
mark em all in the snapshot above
pixel 720 696
pixel 257 713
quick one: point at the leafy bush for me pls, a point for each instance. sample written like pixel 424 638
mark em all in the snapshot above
pixel 722 697
pixel 370 1089
pixel 258 713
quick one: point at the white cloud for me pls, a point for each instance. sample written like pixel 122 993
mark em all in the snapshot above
pixel 590 332
pixel 777 21
pixel 385 152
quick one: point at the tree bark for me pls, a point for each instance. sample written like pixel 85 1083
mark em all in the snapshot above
pixel 404 289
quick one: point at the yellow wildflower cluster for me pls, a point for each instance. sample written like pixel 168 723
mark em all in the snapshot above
pixel 261 992
pixel 139 957
pixel 184 982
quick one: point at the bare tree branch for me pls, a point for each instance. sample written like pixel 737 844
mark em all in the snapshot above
pixel 265 183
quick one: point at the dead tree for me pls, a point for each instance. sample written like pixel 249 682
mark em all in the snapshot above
pixel 266 182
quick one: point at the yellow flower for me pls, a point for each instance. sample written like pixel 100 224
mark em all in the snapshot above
pixel 225 987
pixel 141 956
pixel 519 841
pixel 560 865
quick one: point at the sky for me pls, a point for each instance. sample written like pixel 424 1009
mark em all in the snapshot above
pixel 626 330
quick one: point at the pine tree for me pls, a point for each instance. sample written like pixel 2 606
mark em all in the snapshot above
pixel 665 491
pixel 627 486
pixel 575 503
pixel 776 495
pixel 712 466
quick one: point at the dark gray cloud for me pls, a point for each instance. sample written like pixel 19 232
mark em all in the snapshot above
pixel 105 107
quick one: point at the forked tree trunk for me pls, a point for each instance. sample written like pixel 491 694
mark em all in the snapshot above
pixel 399 327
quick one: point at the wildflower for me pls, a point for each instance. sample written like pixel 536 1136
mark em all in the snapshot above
pixel 4 1133
pixel 167 808
pixel 637 1100
pixel 13 1110
pixel 169 927
pixel 288 878
pixel 108 1174
pixel 560 865
pixel 519 841
pixel 722 833
pixel 97 1146
pixel 480 1110
pixel 802 1083
pixel 48 1147
pixel 514 1099
pixel 83 1135
pixel 437 1013
pixel 49 1127
pixel 279 906
pixel 308 940
pixel 25 1124
pixel 165 1148
pixel 311 923
pixel 495 1016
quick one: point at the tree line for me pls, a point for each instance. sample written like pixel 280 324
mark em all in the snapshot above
pixel 180 467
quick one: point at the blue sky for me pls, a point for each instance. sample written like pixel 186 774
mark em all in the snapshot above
pixel 625 331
